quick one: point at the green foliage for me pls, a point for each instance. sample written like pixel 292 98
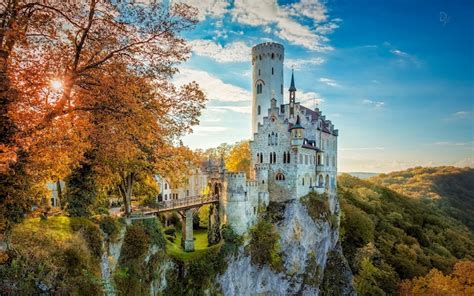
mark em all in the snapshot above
pixel 316 204
pixel 264 247
pixel 90 232
pixel 450 189
pixel 110 226
pixel 51 253
pixel 203 270
pixel 81 191
pixel 134 274
pixel 15 195
pixel 388 236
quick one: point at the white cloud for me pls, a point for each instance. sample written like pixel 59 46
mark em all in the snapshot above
pixel 309 8
pixel 214 88
pixel 309 99
pixel 284 19
pixel 238 109
pixel 328 81
pixel 231 52
pixel 405 57
pixel 212 8
pixel 450 143
pixel 377 104
pixel 327 28
pixel 466 162
pixel 399 53
pixel 208 129
pixel 462 114
pixel 300 63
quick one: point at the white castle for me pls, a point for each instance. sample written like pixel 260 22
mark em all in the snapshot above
pixel 294 148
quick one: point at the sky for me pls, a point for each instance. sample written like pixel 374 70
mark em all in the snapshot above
pixel 395 77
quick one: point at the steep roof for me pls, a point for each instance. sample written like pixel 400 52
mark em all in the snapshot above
pixel 292 84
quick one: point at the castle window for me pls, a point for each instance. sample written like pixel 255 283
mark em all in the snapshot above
pixel 319 159
pixel 271 157
pixel 273 56
pixel 288 157
pixel 258 157
pixel 166 196
pixel 280 177
pixel 261 157
pixel 302 181
pixel 258 72
pixel 269 140
pixel 281 88
pixel 258 110
pixel 272 71
pixel 166 185
pixel 260 57
pixel 276 139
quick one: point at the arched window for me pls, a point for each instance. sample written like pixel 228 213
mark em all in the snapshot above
pixel 271 158
pixel 258 110
pixel 260 57
pixel 320 181
pixel 273 139
pixel 319 159
pixel 273 72
pixel 273 55
pixel 288 158
pixel 284 157
pixel 274 157
pixel 280 177
pixel 261 157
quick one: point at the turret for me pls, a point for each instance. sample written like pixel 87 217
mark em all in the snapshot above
pixel 292 91
pixel 267 66
pixel 297 134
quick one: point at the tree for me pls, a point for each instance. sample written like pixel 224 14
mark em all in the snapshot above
pixel 78 43
pixel 460 282
pixel 239 158
pixel 81 190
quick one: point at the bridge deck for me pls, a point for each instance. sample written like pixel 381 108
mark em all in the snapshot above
pixel 183 203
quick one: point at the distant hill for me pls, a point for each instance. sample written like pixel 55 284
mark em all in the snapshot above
pixel 449 188
pixel 362 175
pixel 388 237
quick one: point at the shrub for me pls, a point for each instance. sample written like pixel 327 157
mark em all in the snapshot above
pixel 110 227
pixel 316 204
pixel 171 231
pixel 264 247
pixel 91 234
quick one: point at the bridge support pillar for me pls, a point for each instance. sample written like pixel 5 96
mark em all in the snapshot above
pixel 213 231
pixel 188 236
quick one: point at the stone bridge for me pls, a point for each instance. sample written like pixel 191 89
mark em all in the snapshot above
pixel 186 207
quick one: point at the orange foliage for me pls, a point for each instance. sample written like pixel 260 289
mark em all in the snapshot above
pixel 459 282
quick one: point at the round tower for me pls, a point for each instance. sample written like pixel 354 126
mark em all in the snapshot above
pixel 267 68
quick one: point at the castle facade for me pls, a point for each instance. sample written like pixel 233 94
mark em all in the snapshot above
pixel 294 148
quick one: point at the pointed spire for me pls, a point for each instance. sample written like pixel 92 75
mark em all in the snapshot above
pixel 292 85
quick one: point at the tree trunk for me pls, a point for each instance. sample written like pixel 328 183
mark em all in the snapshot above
pixel 125 189
pixel 60 194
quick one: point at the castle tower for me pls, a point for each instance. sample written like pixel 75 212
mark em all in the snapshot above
pixel 267 68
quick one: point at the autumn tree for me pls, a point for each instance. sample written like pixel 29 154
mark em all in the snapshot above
pixel 75 43
pixel 239 158
pixel 459 282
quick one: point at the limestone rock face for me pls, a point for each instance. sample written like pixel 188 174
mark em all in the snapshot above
pixel 312 260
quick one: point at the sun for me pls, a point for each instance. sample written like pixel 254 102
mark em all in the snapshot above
pixel 56 84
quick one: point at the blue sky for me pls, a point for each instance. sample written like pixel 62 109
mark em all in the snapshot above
pixel 396 78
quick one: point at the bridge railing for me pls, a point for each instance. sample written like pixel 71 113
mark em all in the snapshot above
pixel 187 202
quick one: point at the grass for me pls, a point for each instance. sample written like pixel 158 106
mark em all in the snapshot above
pixel 57 228
pixel 201 247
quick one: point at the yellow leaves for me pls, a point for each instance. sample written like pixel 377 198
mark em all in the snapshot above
pixel 460 282
pixel 239 158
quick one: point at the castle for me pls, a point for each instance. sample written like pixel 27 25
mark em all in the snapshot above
pixel 294 148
